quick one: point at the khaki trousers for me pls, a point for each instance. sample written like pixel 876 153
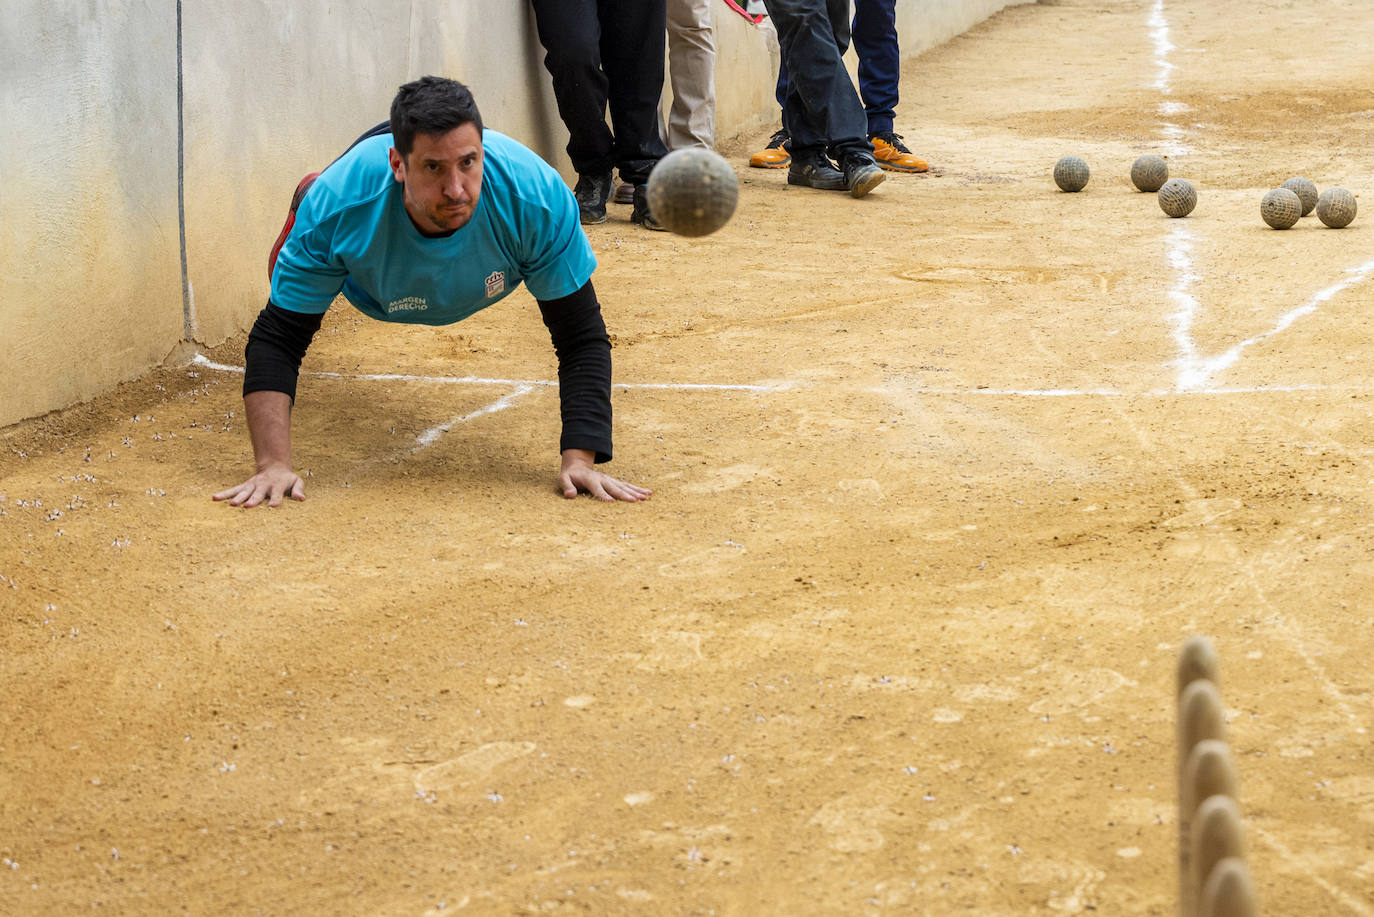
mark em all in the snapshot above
pixel 691 74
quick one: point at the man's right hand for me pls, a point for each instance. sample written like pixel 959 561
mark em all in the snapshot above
pixel 270 484
pixel 269 426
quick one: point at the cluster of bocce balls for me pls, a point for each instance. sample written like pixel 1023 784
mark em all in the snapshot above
pixel 1280 208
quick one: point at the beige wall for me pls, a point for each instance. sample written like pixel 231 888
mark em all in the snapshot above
pixel 923 24
pixel 90 275
pixel 91 290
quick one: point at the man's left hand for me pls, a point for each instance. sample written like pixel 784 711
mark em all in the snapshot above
pixel 579 474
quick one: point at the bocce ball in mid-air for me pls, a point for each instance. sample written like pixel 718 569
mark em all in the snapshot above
pixel 692 192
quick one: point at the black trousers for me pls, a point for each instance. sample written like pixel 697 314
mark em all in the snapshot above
pixel 822 110
pixel 604 53
pixel 880 62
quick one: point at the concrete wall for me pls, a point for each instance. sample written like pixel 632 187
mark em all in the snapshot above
pixel 923 24
pixel 747 57
pixel 90 258
pixel 91 290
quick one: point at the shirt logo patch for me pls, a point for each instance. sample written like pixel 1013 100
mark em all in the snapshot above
pixel 496 283
pixel 409 304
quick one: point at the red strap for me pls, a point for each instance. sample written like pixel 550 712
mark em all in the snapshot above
pixel 739 9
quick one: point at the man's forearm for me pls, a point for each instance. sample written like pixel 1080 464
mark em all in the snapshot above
pixel 584 370
pixel 272 358
pixel 269 428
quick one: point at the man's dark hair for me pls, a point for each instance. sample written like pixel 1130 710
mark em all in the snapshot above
pixel 431 105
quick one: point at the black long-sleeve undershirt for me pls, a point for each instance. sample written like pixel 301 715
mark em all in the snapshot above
pixel 280 337
pixel 584 370
pixel 276 346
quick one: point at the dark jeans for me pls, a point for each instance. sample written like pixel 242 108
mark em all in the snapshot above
pixel 880 62
pixel 604 53
pixel 821 111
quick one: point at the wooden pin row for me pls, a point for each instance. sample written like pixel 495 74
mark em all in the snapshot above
pixel 1213 878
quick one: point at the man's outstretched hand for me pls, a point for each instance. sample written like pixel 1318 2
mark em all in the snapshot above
pixel 579 474
pixel 271 484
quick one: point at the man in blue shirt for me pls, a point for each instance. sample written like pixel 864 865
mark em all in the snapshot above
pixel 427 220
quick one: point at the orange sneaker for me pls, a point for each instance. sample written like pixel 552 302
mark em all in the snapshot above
pixel 892 154
pixel 774 156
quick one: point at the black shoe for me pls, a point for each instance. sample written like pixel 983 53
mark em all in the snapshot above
pixel 592 192
pixel 640 214
pixel 813 169
pixel 861 174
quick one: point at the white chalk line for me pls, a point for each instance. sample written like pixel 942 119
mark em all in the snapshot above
pixel 430 436
pixel 524 386
pixel 1159 35
pixel 1198 374
pixel 1164 68
pixel 202 360
pixel 1122 393
pixel 1179 252
pixel 1356 906
pixel 519 388
pixel 1291 636
pixel 1195 372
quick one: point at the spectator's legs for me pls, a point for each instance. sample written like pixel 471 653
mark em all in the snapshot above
pixel 571 36
pixel 632 50
pixel 781 92
pixel 692 72
pixel 822 110
pixel 880 61
pixel 777 154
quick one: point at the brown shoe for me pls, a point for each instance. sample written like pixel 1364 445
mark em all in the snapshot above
pixel 891 154
pixel 774 156
pixel 624 193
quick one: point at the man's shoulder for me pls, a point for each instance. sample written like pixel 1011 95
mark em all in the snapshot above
pixel 508 149
pixel 521 186
pixel 355 179
pixel 519 168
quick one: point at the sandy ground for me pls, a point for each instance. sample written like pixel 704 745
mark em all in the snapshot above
pixel 943 478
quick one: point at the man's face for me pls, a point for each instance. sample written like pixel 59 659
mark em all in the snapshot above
pixel 442 176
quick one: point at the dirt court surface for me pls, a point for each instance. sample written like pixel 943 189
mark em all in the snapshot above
pixel 943 478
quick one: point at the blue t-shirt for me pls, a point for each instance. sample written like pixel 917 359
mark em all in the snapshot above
pixel 352 235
